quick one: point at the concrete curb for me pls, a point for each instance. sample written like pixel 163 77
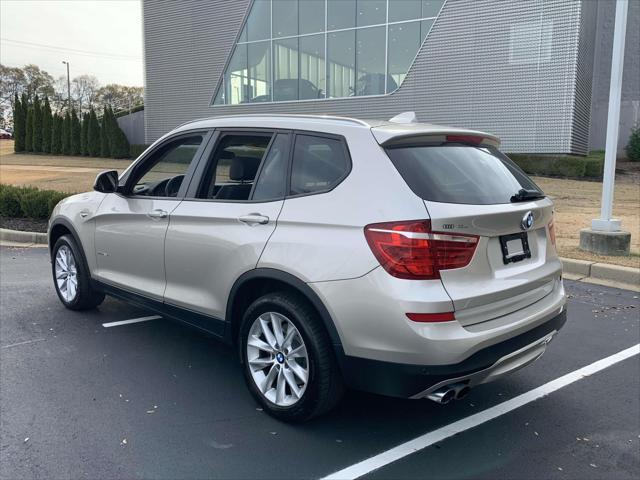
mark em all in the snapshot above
pixel 601 273
pixel 17 236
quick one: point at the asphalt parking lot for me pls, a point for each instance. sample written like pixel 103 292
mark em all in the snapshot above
pixel 159 400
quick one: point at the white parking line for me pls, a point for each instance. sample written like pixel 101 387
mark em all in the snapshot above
pixel 385 458
pixel 27 342
pixel 133 320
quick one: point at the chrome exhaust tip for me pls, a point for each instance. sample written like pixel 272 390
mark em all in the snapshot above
pixel 442 396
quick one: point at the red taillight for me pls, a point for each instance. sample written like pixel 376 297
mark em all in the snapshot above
pixel 431 317
pixel 411 250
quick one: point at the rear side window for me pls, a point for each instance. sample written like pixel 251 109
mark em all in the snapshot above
pixel 319 164
pixel 454 173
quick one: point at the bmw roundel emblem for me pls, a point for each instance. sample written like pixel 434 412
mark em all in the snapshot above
pixel 527 221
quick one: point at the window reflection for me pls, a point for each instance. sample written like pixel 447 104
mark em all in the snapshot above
pixel 291 50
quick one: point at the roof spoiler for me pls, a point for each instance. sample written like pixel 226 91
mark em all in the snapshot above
pixel 438 138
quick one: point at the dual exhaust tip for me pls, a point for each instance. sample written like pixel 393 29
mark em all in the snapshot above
pixel 446 394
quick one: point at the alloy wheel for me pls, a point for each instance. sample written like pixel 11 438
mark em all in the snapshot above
pixel 277 359
pixel 66 273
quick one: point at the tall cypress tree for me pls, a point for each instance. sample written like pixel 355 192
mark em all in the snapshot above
pixel 47 124
pixel 18 125
pixel 56 135
pixel 84 130
pixel 28 130
pixel 37 125
pixel 75 133
pixel 105 132
pixel 24 108
pixel 66 134
pixel 119 145
pixel 93 135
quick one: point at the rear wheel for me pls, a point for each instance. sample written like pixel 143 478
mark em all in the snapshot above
pixel 288 361
pixel 71 276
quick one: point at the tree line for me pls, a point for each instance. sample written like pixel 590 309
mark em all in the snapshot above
pixel 37 129
pixel 86 91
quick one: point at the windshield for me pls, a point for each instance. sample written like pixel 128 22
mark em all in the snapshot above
pixel 455 173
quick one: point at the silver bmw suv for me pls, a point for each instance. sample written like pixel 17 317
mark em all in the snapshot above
pixel 396 257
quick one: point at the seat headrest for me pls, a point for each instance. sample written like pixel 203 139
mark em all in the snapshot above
pixel 244 168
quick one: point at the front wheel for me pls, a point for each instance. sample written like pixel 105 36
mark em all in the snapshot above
pixel 289 364
pixel 71 276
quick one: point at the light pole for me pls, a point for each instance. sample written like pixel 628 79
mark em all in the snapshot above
pixel 68 83
pixel 605 237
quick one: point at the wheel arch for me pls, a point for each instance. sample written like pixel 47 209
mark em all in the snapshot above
pixel 255 283
pixel 61 226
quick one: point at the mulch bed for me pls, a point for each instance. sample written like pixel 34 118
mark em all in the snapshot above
pixel 24 224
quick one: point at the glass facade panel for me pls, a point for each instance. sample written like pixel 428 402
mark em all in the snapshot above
pixel 285 18
pixel 311 16
pixel 370 61
pixel 431 8
pixel 259 68
pixel 404 10
pixel 236 77
pixel 312 70
pixel 404 42
pixel 285 83
pixel 280 54
pixel 341 14
pixel 259 21
pixel 341 53
pixel 425 27
pixel 371 12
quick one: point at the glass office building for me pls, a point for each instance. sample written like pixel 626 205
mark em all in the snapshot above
pixel 533 72
pixel 290 50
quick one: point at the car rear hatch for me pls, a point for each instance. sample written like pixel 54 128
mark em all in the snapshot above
pixel 472 190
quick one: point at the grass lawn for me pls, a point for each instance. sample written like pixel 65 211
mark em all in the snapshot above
pixel 53 172
pixel 576 202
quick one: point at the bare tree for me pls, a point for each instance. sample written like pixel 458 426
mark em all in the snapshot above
pixel 37 82
pixel 84 90
pixel 12 81
pixel 59 98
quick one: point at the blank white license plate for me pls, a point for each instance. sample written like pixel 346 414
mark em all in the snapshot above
pixel 515 248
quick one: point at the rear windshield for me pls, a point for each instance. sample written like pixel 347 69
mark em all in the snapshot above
pixel 455 173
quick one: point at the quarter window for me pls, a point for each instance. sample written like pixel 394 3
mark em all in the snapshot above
pixel 319 164
pixel 271 181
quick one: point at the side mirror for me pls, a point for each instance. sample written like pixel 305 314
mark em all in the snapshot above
pixel 106 182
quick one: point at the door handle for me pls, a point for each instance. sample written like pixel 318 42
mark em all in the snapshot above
pixel 254 219
pixel 157 213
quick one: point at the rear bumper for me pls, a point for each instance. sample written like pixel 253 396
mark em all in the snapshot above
pixel 417 381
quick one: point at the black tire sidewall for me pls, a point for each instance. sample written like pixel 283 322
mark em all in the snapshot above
pixel 285 305
pixel 84 286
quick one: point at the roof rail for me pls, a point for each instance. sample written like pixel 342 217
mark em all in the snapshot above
pixel 280 115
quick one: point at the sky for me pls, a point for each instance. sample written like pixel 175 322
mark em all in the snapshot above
pixel 97 37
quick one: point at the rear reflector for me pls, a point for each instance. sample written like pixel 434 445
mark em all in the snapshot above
pixel 552 231
pixel 431 317
pixel 412 251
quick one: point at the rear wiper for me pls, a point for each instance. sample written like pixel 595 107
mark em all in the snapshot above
pixel 523 195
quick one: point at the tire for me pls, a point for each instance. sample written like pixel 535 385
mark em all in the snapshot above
pixel 68 262
pixel 324 386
